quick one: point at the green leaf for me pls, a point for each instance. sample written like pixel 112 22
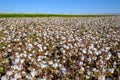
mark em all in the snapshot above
pixel 1 44
pixel 1 69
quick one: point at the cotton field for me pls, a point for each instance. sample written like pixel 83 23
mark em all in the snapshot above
pixel 60 48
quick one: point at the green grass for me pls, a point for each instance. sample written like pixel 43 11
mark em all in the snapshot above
pixel 2 15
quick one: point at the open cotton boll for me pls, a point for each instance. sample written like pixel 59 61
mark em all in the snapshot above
pixel 118 55
pixel 33 73
pixel 17 75
pixel 50 62
pixel 108 56
pixel 29 47
pixel 63 70
pixel 9 73
pixel 84 51
pixel 4 78
pixel 55 65
pixel 101 77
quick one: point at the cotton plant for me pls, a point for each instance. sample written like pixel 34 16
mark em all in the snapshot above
pixel 60 48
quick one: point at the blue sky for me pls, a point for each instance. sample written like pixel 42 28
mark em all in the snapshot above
pixel 60 6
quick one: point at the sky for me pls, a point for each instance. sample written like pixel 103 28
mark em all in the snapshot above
pixel 60 6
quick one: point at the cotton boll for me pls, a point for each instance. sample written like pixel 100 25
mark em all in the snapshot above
pixel 43 65
pixel 101 77
pixel 82 57
pixel 87 77
pixel 50 62
pixel 108 56
pixel 22 61
pixel 17 75
pixel 9 50
pixel 4 78
pixel 33 73
pixel 55 65
pixel 118 55
pixel 44 47
pixel 35 43
pixel 81 63
pixel 84 51
pixel 82 70
pixel 63 70
pixel 17 60
pixel 9 73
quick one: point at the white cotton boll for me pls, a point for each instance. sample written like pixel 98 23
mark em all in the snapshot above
pixel 29 77
pixel 4 78
pixel 82 69
pixel 9 50
pixel 94 57
pixel 63 38
pixel 82 57
pixel 18 39
pixel 55 65
pixel 5 54
pixel 101 77
pixel 87 77
pixel 35 43
pixel 102 49
pixel 6 32
pixel 81 63
pixel 46 53
pixel 89 59
pixel 24 55
pixel 20 43
pixel 33 51
pixel 64 51
pixel 43 65
pixel 39 58
pixel 108 56
pixel 29 47
pixel 44 47
pixel 97 53
pixel 17 75
pixel 107 48
pixel 111 70
pixel 20 68
pixel 94 70
pixel 84 51
pixel 15 67
pixel 18 48
pixel 103 70
pixel 29 56
pixel 23 73
pixel 63 70
pixel 22 61
pixel 3 47
pixel 118 55
pixel 67 47
pixel 9 73
pixel 90 52
pixel 9 45
pixel 39 45
pixel 24 34
pixel 95 49
pixel 17 60
pixel 50 62
pixel 33 73
pixel 60 65
pixel 44 78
